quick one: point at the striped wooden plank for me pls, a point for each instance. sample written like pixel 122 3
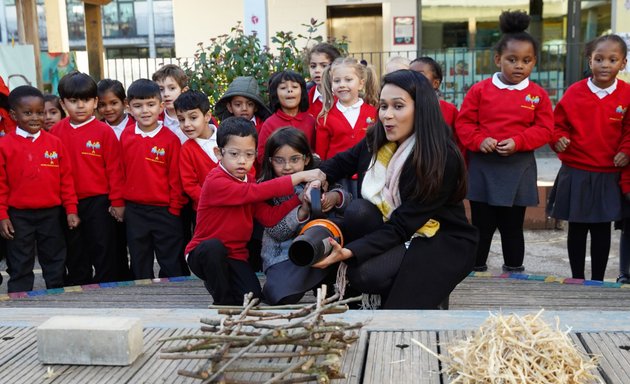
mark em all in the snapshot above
pixel 391 358
pixel 614 361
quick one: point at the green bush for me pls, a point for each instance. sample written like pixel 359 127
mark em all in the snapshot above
pixel 236 54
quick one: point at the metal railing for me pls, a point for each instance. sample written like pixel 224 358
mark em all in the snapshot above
pixel 462 67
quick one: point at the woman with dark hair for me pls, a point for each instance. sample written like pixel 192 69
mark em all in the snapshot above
pixel 407 237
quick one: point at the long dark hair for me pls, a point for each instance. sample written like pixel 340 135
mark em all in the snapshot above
pixel 433 136
pixel 292 137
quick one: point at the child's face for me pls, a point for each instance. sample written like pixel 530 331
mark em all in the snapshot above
pixel 287 160
pixel 346 84
pixel 52 114
pixel 111 108
pixel 194 123
pixel 238 155
pixel 241 106
pixel 516 62
pixel 319 62
pixel 169 90
pixel 289 96
pixel 79 110
pixel 427 71
pixel 29 114
pixel 146 112
pixel 606 61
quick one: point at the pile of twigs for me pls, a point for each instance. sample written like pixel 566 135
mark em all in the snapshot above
pixel 515 349
pixel 297 346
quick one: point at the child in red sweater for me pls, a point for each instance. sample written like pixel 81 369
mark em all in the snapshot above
pixel 111 107
pixel 197 156
pixel 318 59
pixel 229 202
pixel 94 154
pixel 242 99
pixel 345 116
pixel 153 189
pixel 502 121
pixel 288 100
pixel 592 138
pixel 53 112
pixel 172 81
pixel 35 183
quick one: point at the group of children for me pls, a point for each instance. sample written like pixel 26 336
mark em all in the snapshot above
pixel 159 176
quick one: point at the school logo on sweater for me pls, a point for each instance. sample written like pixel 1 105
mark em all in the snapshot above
pixel 2 133
pixel 93 147
pixel 157 155
pixel 370 120
pixel 532 100
pixel 52 158
pixel 620 112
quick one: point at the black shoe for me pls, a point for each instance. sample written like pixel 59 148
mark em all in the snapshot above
pixel 622 279
pixel 480 268
pixel 513 269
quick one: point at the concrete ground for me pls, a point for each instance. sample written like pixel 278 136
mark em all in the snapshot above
pixel 545 250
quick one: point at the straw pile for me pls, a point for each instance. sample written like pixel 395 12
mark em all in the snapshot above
pixel 514 349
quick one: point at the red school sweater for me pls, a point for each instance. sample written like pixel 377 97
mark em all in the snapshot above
pixel 314 107
pixel 35 174
pixel 302 121
pixel 487 111
pixel 335 134
pixel 94 153
pixel 598 128
pixel 228 207
pixel 194 166
pixel 449 111
pixel 152 169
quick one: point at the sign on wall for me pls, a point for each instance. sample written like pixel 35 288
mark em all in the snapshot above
pixel 404 30
pixel 255 19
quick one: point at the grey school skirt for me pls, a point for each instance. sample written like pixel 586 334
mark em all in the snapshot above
pixel 585 197
pixel 503 181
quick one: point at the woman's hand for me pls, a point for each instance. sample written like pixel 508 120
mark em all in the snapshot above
pixel 488 145
pixel 338 254
pixel 562 144
pixel 506 147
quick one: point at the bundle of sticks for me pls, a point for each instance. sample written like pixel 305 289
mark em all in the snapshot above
pixel 515 349
pixel 264 344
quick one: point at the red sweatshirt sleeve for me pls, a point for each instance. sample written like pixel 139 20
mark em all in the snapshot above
pixel 176 193
pixel 269 215
pixel 229 194
pixel 322 139
pixel 69 198
pixel 561 126
pixel 265 131
pixel 540 132
pixel 625 134
pixel 114 169
pixel 467 123
pixel 188 174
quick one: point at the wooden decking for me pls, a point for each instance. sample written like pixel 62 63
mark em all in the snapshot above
pixel 596 313
pixel 378 357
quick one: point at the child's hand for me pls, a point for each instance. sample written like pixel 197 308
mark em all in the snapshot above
pixel 621 160
pixel 562 144
pixel 73 221
pixel 330 200
pixel 506 147
pixel 488 145
pixel 306 193
pixel 117 213
pixel 6 229
pixel 308 176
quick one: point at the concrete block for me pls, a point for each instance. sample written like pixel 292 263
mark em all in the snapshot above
pixel 90 340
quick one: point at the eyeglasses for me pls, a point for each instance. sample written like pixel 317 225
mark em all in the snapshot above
pixel 235 155
pixel 281 161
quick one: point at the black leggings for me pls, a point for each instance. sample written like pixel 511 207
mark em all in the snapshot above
pixel 600 248
pixel 509 221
